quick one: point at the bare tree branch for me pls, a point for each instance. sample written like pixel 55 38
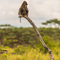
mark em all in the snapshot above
pixel 23 12
pixel 40 38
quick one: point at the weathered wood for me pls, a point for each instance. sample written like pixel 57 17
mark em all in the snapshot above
pixel 40 38
pixel 39 35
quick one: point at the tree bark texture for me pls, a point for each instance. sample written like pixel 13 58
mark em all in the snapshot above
pixel 40 38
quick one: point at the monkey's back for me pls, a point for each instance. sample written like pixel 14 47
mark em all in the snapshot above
pixel 24 10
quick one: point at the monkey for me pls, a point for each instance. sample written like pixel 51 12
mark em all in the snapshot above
pixel 23 10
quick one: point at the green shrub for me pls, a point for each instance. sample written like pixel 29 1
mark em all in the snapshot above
pixel 19 50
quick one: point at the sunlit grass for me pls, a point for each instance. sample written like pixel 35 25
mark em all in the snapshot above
pixel 29 54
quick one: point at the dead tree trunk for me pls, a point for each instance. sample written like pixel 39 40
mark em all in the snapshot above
pixel 23 12
pixel 40 38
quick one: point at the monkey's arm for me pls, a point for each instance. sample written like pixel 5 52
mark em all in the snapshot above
pixel 27 11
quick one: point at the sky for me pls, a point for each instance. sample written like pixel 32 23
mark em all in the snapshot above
pixel 39 11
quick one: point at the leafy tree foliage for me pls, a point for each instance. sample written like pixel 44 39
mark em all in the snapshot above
pixel 54 21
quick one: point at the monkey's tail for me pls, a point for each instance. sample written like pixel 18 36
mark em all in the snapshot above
pixel 20 19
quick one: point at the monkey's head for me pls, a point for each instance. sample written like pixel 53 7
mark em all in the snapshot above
pixel 25 3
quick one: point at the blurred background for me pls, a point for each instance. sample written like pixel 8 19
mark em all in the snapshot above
pixel 39 11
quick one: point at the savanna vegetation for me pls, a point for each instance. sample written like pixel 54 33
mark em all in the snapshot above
pixel 23 43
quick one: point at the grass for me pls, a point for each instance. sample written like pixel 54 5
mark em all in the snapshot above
pixel 27 53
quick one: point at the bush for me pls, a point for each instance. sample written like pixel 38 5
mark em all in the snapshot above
pixel 19 50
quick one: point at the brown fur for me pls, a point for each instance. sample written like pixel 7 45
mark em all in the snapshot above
pixel 23 9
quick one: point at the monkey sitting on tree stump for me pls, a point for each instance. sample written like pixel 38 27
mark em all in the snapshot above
pixel 23 10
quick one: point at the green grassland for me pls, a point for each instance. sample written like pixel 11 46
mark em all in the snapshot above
pixel 23 43
pixel 23 52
